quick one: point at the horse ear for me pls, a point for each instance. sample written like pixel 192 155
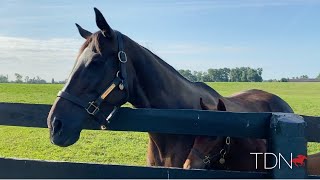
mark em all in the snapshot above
pixel 205 106
pixel 102 24
pixel 84 33
pixel 221 106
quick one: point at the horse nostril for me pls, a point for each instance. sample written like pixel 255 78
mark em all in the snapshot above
pixel 56 126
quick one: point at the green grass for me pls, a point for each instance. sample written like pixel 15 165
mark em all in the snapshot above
pixel 122 147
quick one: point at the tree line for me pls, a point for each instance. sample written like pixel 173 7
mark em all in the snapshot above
pixel 242 74
pixel 29 80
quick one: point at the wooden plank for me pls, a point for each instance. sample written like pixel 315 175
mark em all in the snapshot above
pixel 313 128
pixel 183 121
pixel 30 115
pixel 32 169
pixel 170 121
pixel 27 115
pixel 35 115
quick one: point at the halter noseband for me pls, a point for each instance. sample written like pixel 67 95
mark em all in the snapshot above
pixel 93 107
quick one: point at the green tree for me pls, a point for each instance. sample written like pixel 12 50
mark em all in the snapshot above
pixel 224 74
pixel 304 77
pixel 318 77
pixel 254 75
pixel 188 75
pixel 244 75
pixel 198 75
pixel 206 77
pixel 213 75
pixel 26 79
pixel 235 75
pixel 18 78
pixel 3 79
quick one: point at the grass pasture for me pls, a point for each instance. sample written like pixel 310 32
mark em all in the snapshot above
pixel 122 147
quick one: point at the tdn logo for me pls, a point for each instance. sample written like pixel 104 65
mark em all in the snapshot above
pixel 298 161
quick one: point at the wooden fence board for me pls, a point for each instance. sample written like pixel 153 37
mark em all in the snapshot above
pixel 144 120
pixel 35 115
pixel 19 169
pixel 152 120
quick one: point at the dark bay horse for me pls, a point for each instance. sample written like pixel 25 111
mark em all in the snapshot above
pixel 234 153
pixel 112 69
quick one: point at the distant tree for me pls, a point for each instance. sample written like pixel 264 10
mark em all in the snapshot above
pixel 254 75
pixel 206 77
pixel 52 81
pixel 26 79
pixel 244 71
pixel 284 80
pixel 188 75
pixel 318 77
pixel 3 79
pixel 198 75
pixel 219 75
pixel 304 77
pixel 224 74
pixel 18 78
pixel 213 75
pixel 242 74
pixel 235 75
pixel 35 80
pixel 63 82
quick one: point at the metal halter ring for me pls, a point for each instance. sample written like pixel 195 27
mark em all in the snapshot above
pixel 223 152
pixel 125 57
pixel 228 140
pixel 118 74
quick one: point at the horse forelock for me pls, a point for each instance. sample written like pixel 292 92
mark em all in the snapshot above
pixel 94 39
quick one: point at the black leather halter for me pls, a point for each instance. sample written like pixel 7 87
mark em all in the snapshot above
pixel 211 160
pixel 93 107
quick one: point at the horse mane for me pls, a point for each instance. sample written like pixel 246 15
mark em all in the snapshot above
pixel 199 84
pixel 162 62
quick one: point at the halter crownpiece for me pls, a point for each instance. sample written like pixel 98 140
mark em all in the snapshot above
pixel 93 107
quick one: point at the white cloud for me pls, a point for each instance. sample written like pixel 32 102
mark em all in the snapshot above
pixel 54 58
pixel 51 58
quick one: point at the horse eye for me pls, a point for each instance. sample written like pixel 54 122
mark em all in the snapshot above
pixel 96 56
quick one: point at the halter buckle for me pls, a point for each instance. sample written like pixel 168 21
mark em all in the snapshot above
pixel 92 109
pixel 206 160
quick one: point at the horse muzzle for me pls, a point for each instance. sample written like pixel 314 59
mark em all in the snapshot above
pixel 61 135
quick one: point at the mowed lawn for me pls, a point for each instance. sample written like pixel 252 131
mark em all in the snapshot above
pixel 122 147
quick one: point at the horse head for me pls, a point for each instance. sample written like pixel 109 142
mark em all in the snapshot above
pixel 97 83
pixel 208 147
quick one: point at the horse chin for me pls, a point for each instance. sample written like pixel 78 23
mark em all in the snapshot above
pixel 193 164
pixel 64 141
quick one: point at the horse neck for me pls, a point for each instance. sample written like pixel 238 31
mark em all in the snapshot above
pixel 155 84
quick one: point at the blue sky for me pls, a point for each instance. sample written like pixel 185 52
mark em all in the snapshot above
pixel 281 36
